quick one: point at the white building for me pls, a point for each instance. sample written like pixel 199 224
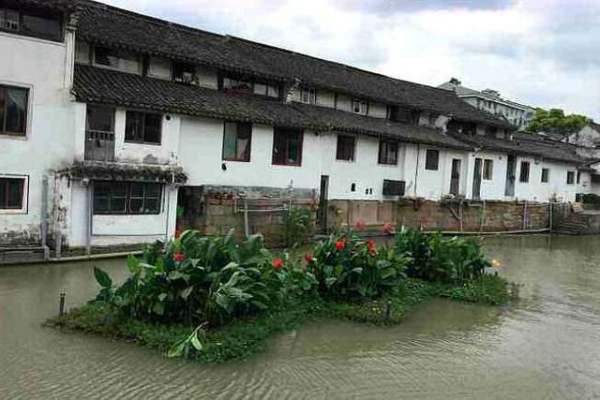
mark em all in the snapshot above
pixel 129 116
pixel 490 101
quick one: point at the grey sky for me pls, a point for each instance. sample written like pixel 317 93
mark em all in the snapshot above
pixel 539 52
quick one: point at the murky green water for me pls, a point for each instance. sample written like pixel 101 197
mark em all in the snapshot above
pixel 547 347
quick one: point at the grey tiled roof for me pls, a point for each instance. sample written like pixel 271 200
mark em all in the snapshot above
pixel 103 24
pixel 98 85
pixel 524 145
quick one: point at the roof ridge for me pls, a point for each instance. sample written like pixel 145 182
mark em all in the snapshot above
pixel 148 18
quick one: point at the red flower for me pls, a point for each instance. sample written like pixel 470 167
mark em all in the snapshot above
pixel 178 257
pixel 372 247
pixel 388 229
pixel 340 245
pixel 277 263
pixel 360 225
pixel 309 258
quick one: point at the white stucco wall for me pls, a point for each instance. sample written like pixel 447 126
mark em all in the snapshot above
pixel 557 186
pixel 49 141
pixel 200 152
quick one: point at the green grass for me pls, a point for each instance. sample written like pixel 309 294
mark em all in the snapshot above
pixel 245 337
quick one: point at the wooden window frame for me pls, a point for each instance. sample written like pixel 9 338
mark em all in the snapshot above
pixel 487 174
pixel 387 143
pixel 3 130
pixel 128 197
pixel 248 157
pixel 429 160
pixel 300 132
pixel 135 141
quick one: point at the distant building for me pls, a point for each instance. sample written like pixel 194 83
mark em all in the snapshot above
pixel 489 100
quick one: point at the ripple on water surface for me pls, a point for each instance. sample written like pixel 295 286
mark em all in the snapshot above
pixel 545 347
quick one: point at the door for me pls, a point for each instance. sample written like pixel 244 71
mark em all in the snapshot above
pixel 455 177
pixel 510 177
pixel 477 180
pixel 322 214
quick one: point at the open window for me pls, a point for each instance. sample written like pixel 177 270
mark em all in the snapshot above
pixel 13 110
pixel 345 148
pixel 237 140
pixel 184 72
pixel 144 128
pixel 287 146
pixel 488 169
pixel 388 152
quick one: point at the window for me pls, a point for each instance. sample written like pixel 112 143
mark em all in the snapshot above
pixel 400 114
pixel 432 160
pixel 578 177
pixel 287 147
pixel 308 95
pixel 36 23
pixel 491 131
pixel 13 110
pixel 570 177
pixel 183 72
pixel 127 197
pixel 488 169
pixel 545 175
pixel 360 106
pixel 345 148
pixel 237 139
pixel 238 85
pixel 100 119
pixel 143 128
pixel 388 152
pixel 12 193
pixel 99 134
pixel 524 176
pixel 118 59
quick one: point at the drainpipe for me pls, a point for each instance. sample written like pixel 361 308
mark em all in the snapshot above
pixel 44 219
pixel 89 186
pixel 417 167
pixel 168 196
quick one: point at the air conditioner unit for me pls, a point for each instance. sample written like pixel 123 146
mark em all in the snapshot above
pixel 393 188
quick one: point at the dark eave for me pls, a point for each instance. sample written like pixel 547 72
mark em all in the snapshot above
pixel 103 86
pixel 103 24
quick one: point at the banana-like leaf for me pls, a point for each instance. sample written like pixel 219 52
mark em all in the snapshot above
pixel 102 278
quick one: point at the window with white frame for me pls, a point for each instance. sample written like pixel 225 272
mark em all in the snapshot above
pixel 13 110
pixel 13 193
pixel 308 95
pixel 360 106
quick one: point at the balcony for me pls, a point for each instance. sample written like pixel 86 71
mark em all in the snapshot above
pixel 99 146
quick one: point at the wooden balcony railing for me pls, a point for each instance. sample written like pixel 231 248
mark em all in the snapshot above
pixel 99 146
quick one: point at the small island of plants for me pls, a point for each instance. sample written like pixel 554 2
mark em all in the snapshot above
pixel 215 299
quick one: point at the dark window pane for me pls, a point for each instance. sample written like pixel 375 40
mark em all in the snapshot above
pixel 388 153
pixel 134 124
pixel 524 176
pixel 488 169
pixel 137 190
pixel 153 190
pixel 42 26
pixel 545 175
pixel 293 151
pixel 16 110
pixel 100 119
pixel 136 206
pixel 100 203
pixel 14 196
pixel 152 206
pixel 279 147
pixel 153 128
pixel 9 19
pixel 432 160
pixel 345 148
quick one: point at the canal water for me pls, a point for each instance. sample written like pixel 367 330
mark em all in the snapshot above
pixel 545 347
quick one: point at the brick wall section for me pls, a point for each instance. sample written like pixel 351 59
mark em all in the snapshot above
pixel 487 216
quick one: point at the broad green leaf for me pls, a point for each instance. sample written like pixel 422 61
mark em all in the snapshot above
pixel 330 281
pixel 102 278
pixel 185 293
pixel 133 264
pixel 195 341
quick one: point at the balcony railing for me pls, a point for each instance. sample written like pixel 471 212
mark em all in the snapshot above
pixel 99 146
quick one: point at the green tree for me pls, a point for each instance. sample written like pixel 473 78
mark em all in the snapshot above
pixel 555 121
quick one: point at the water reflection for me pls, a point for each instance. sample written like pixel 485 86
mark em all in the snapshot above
pixel 544 348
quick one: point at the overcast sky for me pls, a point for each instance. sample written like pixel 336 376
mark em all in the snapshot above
pixel 539 52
